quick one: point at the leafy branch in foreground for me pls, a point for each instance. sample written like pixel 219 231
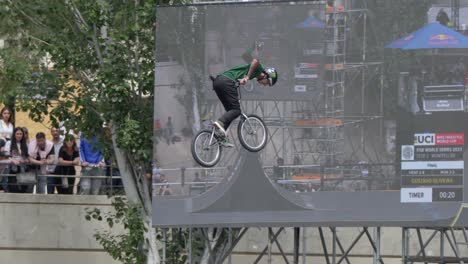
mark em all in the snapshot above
pixel 123 246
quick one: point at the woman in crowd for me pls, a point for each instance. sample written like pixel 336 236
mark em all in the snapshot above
pixel 17 148
pixel 26 134
pixel 69 157
pixel 6 126
pixel 6 131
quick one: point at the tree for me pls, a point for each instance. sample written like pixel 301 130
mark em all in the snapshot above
pixel 123 247
pixel 91 65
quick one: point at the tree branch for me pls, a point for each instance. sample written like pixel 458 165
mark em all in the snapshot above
pixel 30 18
pixel 38 39
pixel 96 45
pixel 137 55
pixel 77 13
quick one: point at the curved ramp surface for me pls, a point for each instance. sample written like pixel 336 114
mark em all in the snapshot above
pixel 246 197
pixel 245 189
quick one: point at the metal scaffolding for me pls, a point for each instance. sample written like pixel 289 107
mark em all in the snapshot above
pixel 333 248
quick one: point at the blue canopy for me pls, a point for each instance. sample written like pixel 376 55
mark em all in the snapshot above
pixel 311 22
pixel 431 36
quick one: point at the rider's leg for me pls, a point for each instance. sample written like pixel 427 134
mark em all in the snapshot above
pixel 226 91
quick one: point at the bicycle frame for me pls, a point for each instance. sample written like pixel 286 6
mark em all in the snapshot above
pixel 207 139
pixel 242 116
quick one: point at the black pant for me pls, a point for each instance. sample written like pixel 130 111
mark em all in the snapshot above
pixel 226 90
pixel 419 95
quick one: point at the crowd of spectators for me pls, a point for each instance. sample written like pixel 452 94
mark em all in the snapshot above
pixel 43 166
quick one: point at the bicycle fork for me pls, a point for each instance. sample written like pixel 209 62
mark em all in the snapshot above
pixel 211 137
pixel 246 119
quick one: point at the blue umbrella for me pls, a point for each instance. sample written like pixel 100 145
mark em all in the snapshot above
pixel 311 22
pixel 431 36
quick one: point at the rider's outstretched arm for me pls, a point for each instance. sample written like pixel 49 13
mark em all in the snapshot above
pixel 253 66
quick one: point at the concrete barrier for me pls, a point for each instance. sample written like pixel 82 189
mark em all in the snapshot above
pixel 50 229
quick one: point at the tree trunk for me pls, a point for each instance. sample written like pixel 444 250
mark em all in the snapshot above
pixel 212 236
pixel 137 193
pixel 196 113
pixel 150 235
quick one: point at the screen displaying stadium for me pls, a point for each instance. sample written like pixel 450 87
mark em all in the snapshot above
pixel 355 120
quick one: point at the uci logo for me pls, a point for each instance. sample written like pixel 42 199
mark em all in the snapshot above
pixel 424 139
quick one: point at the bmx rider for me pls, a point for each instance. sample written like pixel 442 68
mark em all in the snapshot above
pixel 225 85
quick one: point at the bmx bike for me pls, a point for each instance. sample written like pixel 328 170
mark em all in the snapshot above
pixel 251 131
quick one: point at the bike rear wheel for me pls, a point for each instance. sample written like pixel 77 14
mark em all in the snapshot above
pixel 206 149
pixel 253 133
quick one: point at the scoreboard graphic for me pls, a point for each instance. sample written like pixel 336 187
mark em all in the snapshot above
pixel 432 168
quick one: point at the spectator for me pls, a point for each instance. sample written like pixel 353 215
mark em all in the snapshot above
pixel 6 131
pixel 442 17
pixel 41 154
pixel 68 158
pixel 6 127
pixel 26 134
pixel 163 189
pixel 278 170
pixel 3 168
pixel 17 148
pixel 92 162
pixel 52 182
pixel 169 131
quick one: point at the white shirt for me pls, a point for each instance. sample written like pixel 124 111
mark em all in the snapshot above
pixel 6 130
pixel 8 148
pixel 57 146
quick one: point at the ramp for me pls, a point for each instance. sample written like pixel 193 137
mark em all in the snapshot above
pixel 245 189
pixel 246 197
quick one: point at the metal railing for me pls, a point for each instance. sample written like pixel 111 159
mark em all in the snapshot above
pixel 296 178
pixel 26 180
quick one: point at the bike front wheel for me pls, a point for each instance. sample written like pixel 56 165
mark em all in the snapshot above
pixel 206 149
pixel 252 133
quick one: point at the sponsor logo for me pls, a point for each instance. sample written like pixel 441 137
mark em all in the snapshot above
pixel 407 152
pixel 450 139
pixel 409 37
pixel 442 37
pixel 424 139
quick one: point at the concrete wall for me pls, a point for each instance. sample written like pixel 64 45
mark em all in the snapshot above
pixel 50 229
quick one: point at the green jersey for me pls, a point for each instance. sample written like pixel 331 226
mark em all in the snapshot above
pixel 241 71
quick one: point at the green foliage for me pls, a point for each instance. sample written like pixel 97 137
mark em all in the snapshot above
pixel 89 66
pixel 126 247
pixel 14 70
pixel 129 246
pixel 98 69
pixel 177 244
pixel 131 137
